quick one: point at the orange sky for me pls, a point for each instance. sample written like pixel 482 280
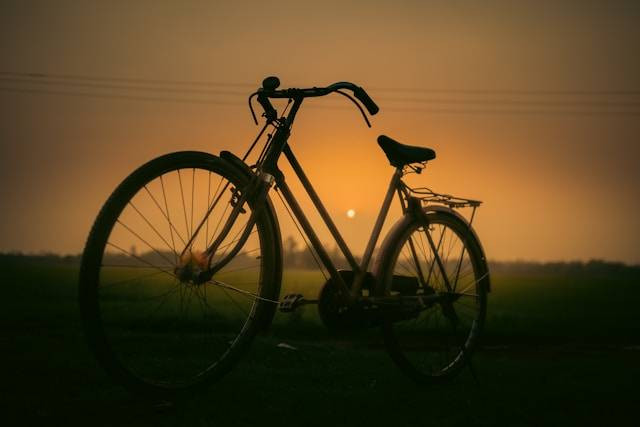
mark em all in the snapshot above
pixel 555 185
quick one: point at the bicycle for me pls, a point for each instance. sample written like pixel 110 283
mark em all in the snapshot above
pixel 180 315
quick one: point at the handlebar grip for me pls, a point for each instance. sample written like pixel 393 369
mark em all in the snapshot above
pixel 366 100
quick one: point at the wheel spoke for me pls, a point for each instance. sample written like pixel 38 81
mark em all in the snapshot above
pixel 144 241
pixel 184 206
pixel 193 189
pixel 152 227
pixel 224 285
pixel 166 215
pixel 206 216
pixel 138 258
pixel 144 276
pixel 226 207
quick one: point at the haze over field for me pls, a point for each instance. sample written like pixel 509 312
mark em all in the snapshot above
pixel 532 107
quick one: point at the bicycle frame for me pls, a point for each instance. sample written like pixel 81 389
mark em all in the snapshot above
pixel 359 270
pixel 269 174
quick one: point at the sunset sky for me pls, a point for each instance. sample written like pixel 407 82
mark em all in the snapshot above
pixel 532 107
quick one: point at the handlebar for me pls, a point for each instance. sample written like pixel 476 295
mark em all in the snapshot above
pixel 270 86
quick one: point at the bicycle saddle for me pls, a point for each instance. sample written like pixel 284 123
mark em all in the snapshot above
pixel 401 154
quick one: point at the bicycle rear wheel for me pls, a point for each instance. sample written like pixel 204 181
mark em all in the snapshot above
pixel 434 343
pixel 155 332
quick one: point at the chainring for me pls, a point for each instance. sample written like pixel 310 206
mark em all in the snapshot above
pixel 337 316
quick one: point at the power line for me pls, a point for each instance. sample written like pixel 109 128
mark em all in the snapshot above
pixel 516 112
pixel 203 91
pixel 435 110
pixel 116 96
pixel 544 92
pixel 121 79
pixel 123 87
pixel 512 102
pixel 130 91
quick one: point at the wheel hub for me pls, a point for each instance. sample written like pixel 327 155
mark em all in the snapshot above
pixel 193 265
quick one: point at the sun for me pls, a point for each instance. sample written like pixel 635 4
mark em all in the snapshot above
pixel 351 213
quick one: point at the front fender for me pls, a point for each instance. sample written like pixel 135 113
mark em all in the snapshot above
pixel 241 166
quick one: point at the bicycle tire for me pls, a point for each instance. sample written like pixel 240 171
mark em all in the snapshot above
pixel 435 345
pixel 174 351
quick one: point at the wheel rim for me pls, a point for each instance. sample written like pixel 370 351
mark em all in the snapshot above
pixel 164 330
pixel 435 343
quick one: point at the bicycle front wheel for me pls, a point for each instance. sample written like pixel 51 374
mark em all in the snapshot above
pixel 433 343
pixel 154 329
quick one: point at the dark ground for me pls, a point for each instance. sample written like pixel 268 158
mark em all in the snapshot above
pixel 560 350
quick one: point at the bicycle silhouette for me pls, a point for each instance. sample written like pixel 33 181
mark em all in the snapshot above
pixel 180 314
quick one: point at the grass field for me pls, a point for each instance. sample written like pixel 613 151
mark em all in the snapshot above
pixel 559 350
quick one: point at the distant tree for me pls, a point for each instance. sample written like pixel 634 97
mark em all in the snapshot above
pixel 290 245
pixel 291 253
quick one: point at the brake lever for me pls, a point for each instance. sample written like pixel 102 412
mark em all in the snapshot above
pixel 253 114
pixel 364 115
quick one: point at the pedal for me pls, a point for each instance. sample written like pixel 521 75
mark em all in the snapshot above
pixel 290 302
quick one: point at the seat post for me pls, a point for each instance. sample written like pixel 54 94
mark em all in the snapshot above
pixel 377 228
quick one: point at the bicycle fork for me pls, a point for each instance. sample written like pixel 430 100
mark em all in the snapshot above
pixel 256 190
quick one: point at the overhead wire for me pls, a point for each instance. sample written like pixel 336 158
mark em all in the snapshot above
pixel 543 92
pixel 132 87
pixel 118 96
pixel 40 75
pixel 122 79
pixel 449 101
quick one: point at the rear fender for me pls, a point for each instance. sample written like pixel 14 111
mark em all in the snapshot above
pixel 408 218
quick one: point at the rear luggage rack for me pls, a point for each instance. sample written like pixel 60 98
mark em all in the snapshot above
pixel 430 197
